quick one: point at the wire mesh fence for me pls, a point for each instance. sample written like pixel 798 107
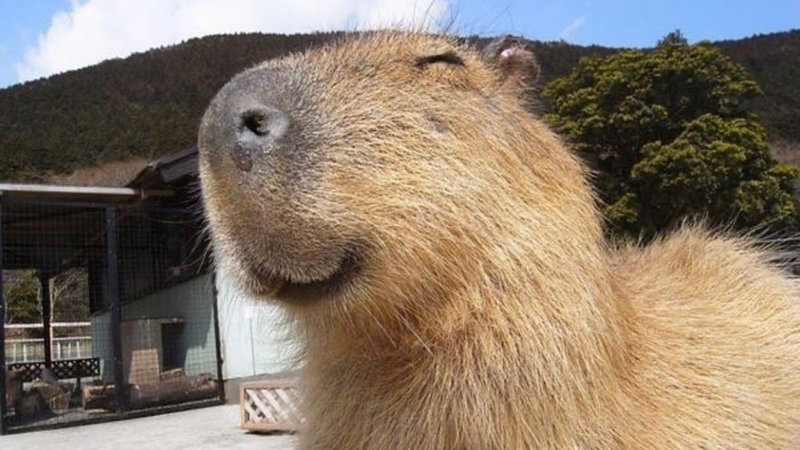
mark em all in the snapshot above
pixel 108 310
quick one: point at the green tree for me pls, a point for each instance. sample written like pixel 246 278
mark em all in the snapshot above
pixel 21 293
pixel 669 138
pixel 673 38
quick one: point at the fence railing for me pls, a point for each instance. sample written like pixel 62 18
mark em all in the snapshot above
pixel 26 350
pixel 32 349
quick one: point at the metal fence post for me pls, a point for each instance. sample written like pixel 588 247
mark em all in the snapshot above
pixel 3 377
pixel 115 307
pixel 44 280
pixel 217 340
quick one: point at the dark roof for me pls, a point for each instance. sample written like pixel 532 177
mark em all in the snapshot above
pixel 49 227
pixel 170 170
pixel 55 193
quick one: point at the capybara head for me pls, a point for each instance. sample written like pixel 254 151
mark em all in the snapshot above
pixel 381 173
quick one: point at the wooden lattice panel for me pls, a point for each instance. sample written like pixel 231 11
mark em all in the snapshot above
pixel 62 368
pixel 271 405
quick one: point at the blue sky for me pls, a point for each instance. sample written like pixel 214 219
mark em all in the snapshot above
pixel 41 37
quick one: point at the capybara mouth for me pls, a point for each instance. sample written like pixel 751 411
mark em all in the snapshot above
pixel 268 284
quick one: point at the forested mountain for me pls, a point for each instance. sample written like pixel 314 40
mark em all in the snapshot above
pixel 149 104
pixel 773 60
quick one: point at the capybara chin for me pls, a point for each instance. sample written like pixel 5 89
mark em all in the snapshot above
pixel 441 252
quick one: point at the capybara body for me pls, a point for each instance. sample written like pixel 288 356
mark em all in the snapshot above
pixel 443 257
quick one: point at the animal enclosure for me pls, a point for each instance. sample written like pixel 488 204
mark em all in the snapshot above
pixel 108 311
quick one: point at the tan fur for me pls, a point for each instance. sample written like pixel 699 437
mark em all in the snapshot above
pixel 488 311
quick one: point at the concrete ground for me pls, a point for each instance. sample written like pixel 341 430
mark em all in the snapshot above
pixel 215 427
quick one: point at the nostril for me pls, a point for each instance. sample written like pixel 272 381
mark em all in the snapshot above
pixel 263 122
pixel 256 122
pixel 259 130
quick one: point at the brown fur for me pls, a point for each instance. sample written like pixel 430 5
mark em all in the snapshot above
pixel 485 310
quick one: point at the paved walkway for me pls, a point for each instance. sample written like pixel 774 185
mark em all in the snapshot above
pixel 215 427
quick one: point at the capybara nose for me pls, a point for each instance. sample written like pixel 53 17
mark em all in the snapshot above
pixel 259 130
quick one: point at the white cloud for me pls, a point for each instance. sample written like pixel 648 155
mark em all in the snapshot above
pixel 574 26
pixel 95 30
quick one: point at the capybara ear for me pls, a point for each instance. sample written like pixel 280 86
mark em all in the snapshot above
pixel 517 65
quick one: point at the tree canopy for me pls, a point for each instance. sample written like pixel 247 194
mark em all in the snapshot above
pixel 21 294
pixel 669 136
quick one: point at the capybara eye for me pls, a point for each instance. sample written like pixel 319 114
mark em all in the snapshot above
pixel 448 58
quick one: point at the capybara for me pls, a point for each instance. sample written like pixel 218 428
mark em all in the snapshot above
pixel 442 254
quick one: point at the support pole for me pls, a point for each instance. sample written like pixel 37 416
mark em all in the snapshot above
pixel 44 281
pixel 3 376
pixel 217 340
pixel 115 306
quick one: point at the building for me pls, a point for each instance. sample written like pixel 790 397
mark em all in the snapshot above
pixel 254 340
pixel 130 270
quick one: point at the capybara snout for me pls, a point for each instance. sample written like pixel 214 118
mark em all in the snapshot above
pixel 327 155
pixel 252 116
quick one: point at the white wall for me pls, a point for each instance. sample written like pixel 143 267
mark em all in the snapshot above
pixel 255 337
pixel 190 301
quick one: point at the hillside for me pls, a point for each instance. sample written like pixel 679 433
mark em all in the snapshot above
pixel 146 105
pixel 774 61
pixel 149 104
